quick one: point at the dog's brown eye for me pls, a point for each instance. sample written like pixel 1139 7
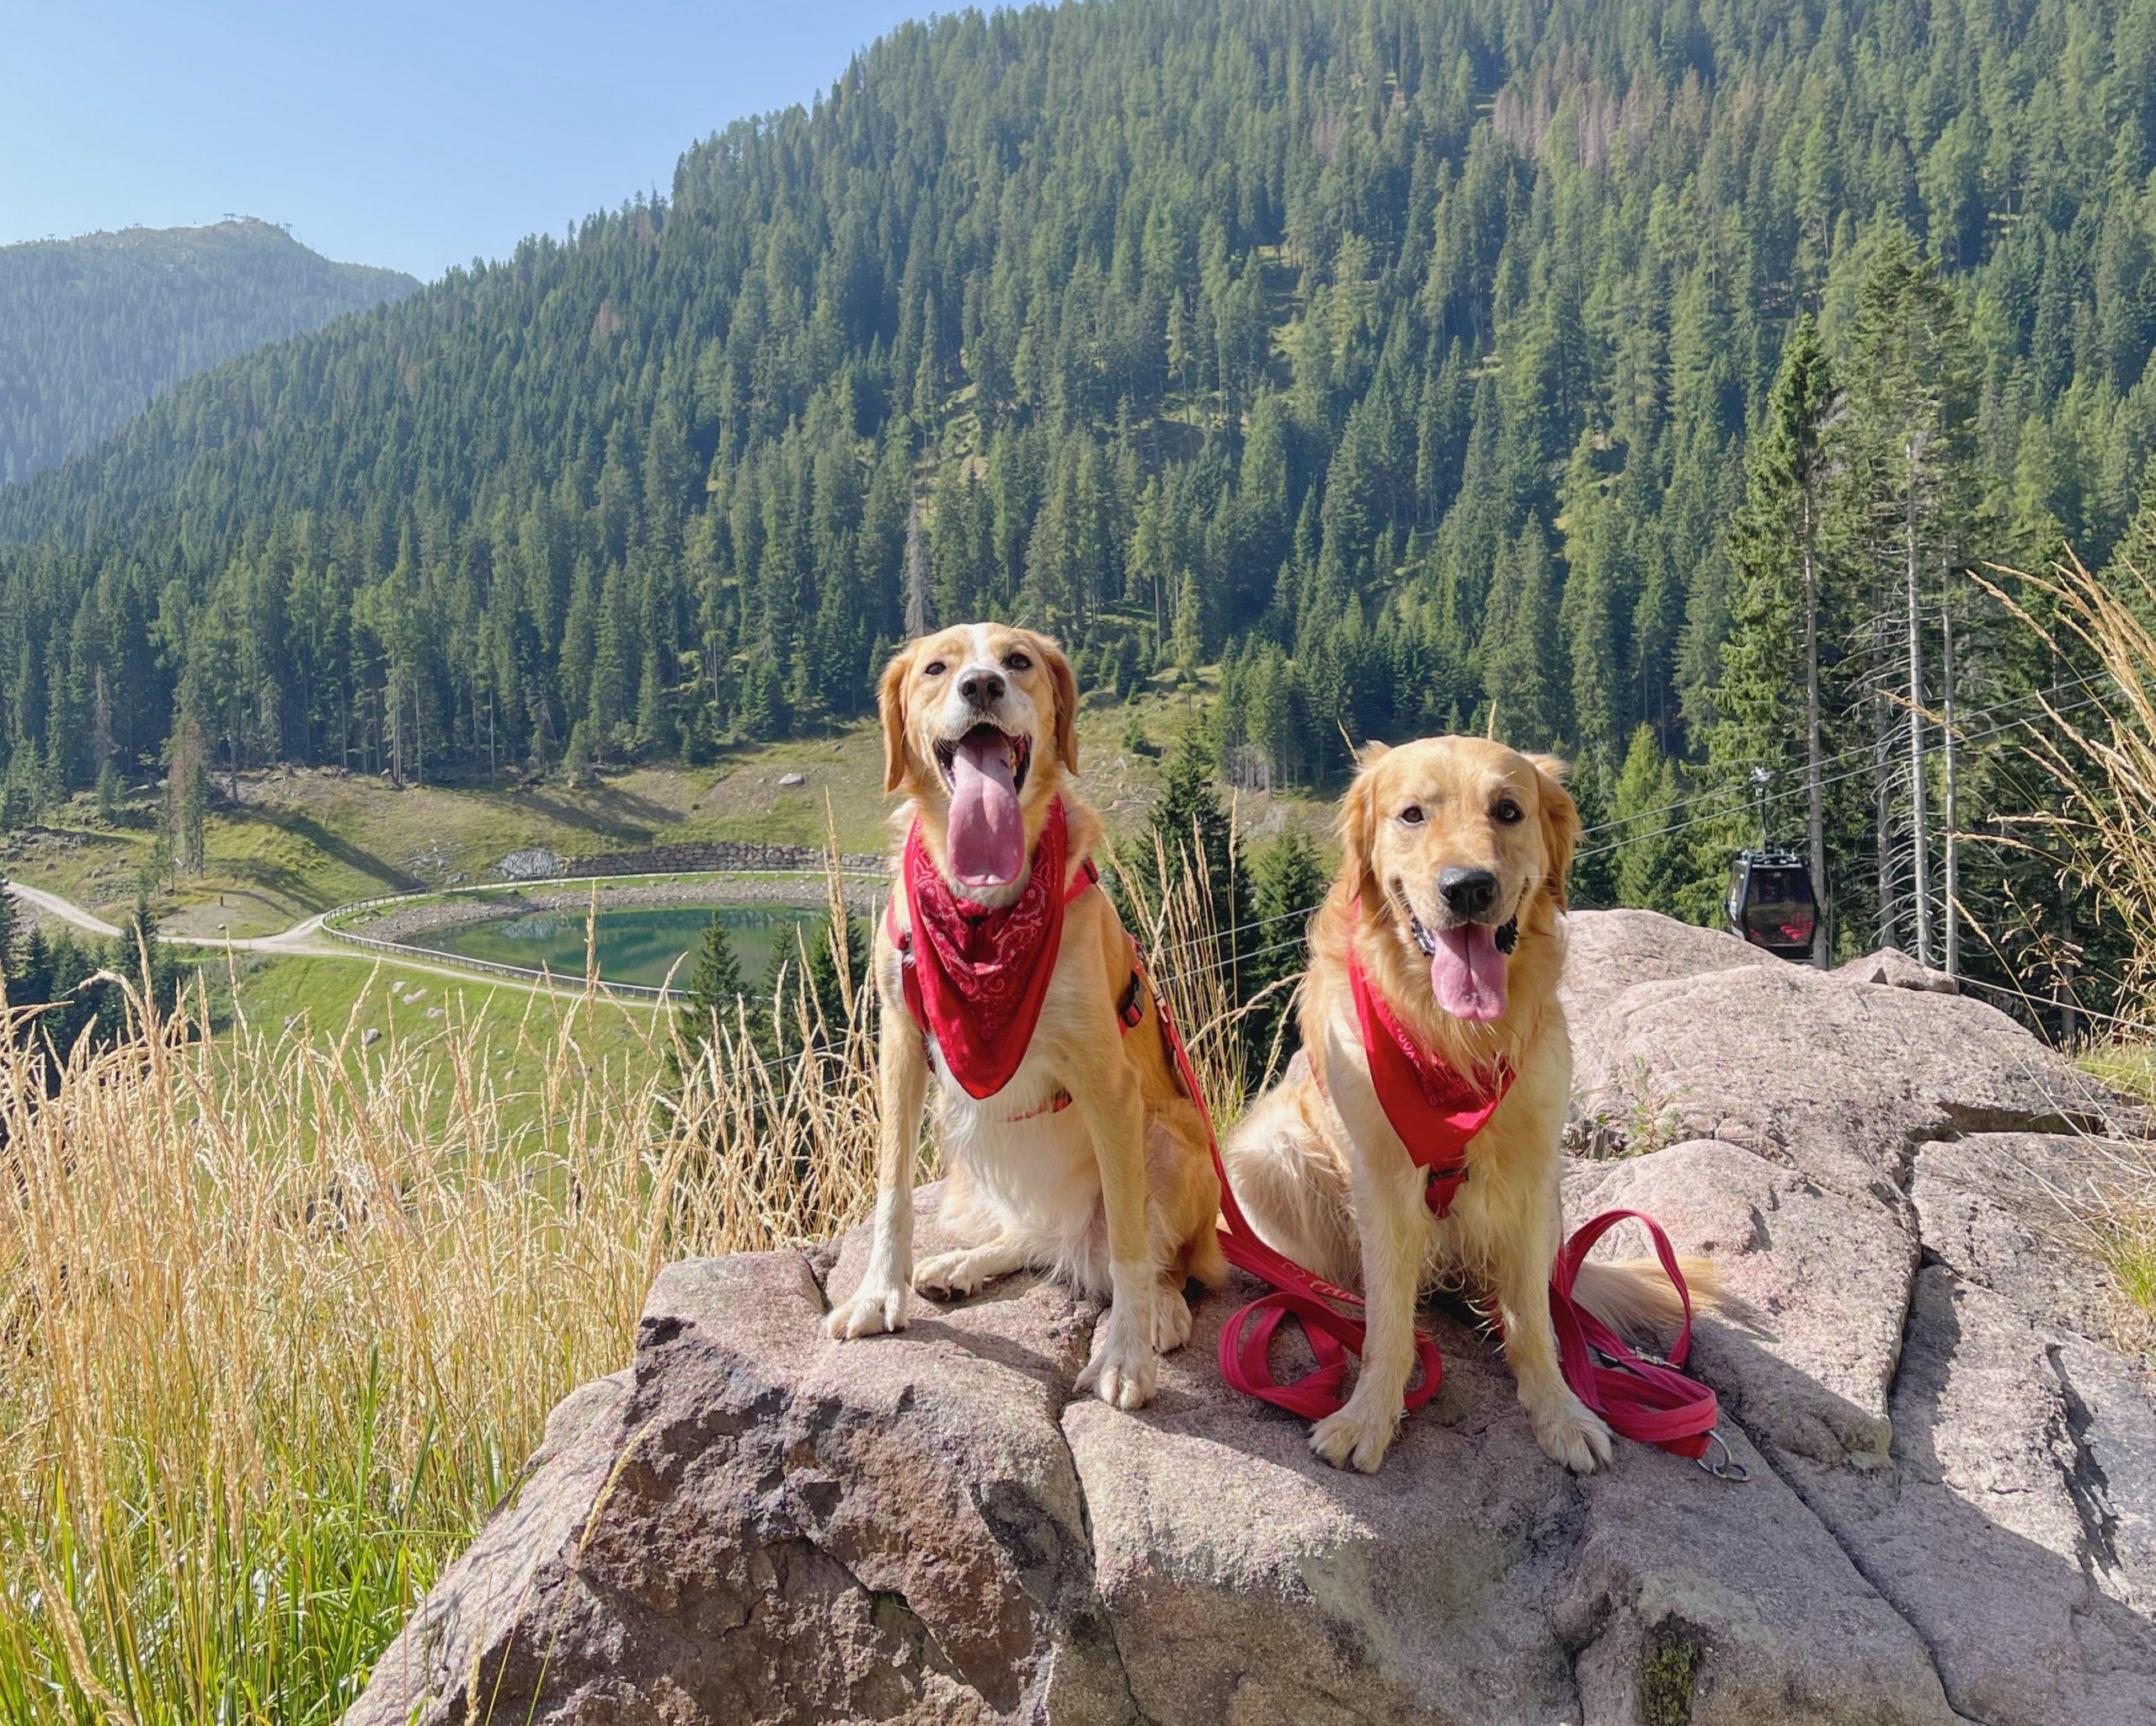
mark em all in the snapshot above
pixel 1506 811
pixel 1017 661
pixel 1412 815
pixel 935 668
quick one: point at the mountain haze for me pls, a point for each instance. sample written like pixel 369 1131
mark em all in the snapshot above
pixel 91 328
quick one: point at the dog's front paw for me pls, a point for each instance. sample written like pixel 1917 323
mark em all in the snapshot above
pixel 1123 1370
pixel 950 1276
pixel 1170 1319
pixel 1572 1433
pixel 1356 1437
pixel 868 1311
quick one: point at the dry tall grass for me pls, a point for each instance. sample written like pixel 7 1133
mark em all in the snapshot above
pixel 270 1345
pixel 2101 760
pixel 273 1339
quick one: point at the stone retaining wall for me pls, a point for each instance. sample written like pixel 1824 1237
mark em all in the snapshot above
pixel 709 855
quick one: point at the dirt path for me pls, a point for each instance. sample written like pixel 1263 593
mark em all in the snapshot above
pixel 305 940
pixel 66 910
pixel 302 937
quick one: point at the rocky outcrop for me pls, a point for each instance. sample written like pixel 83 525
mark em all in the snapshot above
pixel 1892 966
pixel 1952 1512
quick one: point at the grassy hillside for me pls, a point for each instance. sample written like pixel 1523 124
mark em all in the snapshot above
pixel 383 1016
pixel 91 328
pixel 302 840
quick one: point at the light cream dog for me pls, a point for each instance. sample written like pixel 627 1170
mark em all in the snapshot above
pixel 1114 1194
pixel 1450 845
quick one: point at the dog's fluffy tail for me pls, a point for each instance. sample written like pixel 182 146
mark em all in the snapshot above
pixel 1634 1295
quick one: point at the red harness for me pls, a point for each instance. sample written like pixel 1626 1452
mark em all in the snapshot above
pixel 1437 1112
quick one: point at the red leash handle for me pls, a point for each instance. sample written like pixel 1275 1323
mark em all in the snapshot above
pixel 1646 1400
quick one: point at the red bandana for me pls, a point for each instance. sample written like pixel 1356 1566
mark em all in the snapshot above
pixel 1435 1108
pixel 976 975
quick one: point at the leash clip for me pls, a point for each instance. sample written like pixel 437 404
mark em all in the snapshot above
pixel 1726 1467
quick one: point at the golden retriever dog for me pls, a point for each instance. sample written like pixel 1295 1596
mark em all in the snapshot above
pixel 1455 853
pixel 1089 1162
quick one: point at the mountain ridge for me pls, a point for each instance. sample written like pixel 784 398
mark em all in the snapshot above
pixel 95 326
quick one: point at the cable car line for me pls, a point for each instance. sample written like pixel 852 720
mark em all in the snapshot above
pixel 1193 943
pixel 1840 756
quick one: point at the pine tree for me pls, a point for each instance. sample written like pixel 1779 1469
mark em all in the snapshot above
pixel 714 993
pixel 1519 657
pixel 1650 855
pixel 1190 853
pixel 10 938
pixel 1287 883
pixel 652 732
pixel 1187 650
pixel 1907 449
pixel 1779 559
pixel 919 608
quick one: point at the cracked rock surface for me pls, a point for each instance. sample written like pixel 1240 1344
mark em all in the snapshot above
pixel 1952 1513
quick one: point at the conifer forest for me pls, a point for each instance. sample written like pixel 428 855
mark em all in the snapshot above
pixel 1660 382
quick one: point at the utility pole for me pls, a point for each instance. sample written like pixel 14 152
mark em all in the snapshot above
pixel 1949 909
pixel 1814 793
pixel 1919 819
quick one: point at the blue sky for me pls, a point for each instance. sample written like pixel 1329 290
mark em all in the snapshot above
pixel 386 132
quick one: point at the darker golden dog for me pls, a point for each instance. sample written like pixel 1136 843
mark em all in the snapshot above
pixel 1090 1162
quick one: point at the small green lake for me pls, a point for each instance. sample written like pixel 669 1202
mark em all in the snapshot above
pixel 635 944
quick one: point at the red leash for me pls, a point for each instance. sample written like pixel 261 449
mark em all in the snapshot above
pixel 1647 1400
pixel 1641 1399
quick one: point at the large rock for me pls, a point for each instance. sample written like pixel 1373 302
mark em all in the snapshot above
pixel 1952 1512
pixel 1840 1080
pixel 1612 951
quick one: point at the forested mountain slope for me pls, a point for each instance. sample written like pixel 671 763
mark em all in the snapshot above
pixel 1406 358
pixel 91 328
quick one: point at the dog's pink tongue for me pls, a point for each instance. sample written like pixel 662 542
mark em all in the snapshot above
pixel 1467 973
pixel 988 834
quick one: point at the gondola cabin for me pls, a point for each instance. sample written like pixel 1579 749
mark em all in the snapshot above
pixel 1772 904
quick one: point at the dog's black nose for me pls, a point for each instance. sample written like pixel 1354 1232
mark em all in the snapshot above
pixel 981 688
pixel 1468 892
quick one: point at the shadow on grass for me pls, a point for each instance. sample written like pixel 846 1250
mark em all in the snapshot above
pixel 620 815
pixel 294 884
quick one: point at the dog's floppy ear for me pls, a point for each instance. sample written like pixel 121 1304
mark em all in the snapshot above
pixel 891 708
pixel 1359 825
pixel 1561 823
pixel 1066 699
